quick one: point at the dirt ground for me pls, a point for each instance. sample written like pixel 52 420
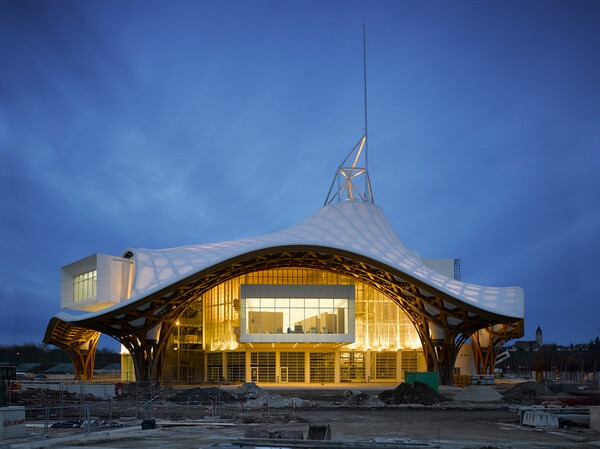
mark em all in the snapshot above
pixel 448 425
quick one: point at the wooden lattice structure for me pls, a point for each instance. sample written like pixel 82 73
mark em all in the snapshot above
pixel 143 326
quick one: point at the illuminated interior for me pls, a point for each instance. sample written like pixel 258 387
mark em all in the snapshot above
pixel 284 325
pixel 297 313
pixel 85 286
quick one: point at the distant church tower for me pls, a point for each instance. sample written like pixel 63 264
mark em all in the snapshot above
pixel 538 336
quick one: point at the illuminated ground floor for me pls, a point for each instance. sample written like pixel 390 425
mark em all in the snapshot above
pixel 287 365
pixel 291 325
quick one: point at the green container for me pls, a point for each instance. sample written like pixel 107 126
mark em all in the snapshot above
pixel 430 379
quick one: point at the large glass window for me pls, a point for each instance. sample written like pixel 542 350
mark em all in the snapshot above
pixel 383 365
pixel 352 366
pixel 291 367
pixel 236 366
pixel 322 366
pixel 214 367
pixel 85 286
pixel 262 366
pixel 296 313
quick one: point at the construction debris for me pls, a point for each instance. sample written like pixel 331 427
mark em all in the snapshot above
pixel 82 423
pixel 275 401
pixel 363 400
pixel 350 393
pixel 249 390
pixel 319 432
pixel 43 397
pixel 278 434
pixel 148 424
pixel 202 395
pixel 417 393
pixel 526 393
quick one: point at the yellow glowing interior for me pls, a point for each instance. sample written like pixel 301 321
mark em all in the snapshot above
pixel 212 322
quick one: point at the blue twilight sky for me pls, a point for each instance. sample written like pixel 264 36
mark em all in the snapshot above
pixel 158 123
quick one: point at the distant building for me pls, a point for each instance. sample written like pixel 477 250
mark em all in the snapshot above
pixel 539 337
pixel 530 345
pixel 523 345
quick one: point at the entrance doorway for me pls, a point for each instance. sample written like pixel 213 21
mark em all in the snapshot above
pixel 283 374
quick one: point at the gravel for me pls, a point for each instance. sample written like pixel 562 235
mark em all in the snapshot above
pixel 276 401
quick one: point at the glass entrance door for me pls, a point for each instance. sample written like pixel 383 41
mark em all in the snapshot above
pixel 283 374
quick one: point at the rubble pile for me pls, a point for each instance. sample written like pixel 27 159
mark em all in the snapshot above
pixel 249 390
pixel 526 393
pixel 142 391
pixel 361 399
pixel 79 423
pixel 417 393
pixel 41 397
pixel 477 393
pixel 275 400
pixel 202 395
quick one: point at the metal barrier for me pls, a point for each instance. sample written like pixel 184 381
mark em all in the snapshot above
pixel 61 400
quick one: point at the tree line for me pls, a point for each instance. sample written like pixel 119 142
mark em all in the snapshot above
pixel 42 348
pixel 573 358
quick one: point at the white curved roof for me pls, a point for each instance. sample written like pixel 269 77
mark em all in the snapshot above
pixel 356 227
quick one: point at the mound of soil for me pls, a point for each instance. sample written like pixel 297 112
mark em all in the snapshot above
pixel 363 400
pixel 202 395
pixel 250 390
pixel 417 393
pixel 526 393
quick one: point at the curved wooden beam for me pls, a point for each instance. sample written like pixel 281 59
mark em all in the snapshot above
pixel 426 306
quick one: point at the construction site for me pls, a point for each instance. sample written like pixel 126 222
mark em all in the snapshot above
pixel 508 414
pixel 328 334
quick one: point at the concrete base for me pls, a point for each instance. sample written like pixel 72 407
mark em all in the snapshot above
pixel 12 422
pixel 540 419
pixel 595 418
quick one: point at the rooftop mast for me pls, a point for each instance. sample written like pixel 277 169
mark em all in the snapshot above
pixel 353 183
pixel 365 91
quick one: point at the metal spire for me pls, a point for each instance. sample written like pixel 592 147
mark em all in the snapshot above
pixel 352 176
pixel 365 90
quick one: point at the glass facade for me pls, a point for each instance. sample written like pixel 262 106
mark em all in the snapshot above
pixel 297 313
pixel 298 316
pixel 85 286
pixel 352 367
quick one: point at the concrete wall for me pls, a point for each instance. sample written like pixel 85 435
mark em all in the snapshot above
pixel 595 418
